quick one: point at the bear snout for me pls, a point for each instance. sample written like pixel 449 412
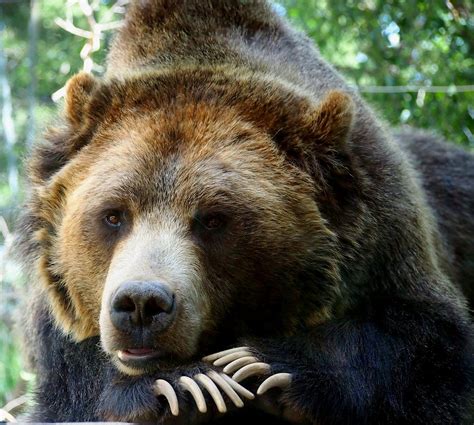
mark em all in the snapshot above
pixel 139 306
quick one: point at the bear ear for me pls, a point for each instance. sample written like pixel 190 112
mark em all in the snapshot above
pixel 79 91
pixel 61 143
pixel 318 132
pixel 331 121
pixel 316 140
pixel 321 145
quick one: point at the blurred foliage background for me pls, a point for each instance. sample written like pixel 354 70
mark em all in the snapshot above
pixel 412 60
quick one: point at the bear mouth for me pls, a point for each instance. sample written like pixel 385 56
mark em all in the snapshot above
pixel 138 357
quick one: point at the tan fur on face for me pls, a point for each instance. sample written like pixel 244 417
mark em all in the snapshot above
pixel 156 251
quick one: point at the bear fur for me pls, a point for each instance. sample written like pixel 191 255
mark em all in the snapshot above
pixel 346 258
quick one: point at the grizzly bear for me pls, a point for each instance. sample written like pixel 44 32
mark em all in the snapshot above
pixel 221 230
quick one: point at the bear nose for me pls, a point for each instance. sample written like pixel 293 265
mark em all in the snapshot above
pixel 142 304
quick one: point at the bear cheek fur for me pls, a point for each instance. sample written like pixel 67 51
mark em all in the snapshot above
pixel 56 252
pixel 262 274
pixel 76 263
pixel 52 175
pixel 83 262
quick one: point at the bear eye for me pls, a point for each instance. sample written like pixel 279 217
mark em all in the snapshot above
pixel 211 222
pixel 114 219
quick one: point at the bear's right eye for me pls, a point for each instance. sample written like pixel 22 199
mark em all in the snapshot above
pixel 114 219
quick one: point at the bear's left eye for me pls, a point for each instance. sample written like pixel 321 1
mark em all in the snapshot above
pixel 211 221
pixel 114 219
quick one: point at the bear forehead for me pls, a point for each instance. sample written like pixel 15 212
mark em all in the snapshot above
pixel 190 132
pixel 190 152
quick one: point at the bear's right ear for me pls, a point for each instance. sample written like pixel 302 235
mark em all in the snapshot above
pixel 79 91
pixel 61 143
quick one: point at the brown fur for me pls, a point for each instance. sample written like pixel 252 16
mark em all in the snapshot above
pixel 71 251
pixel 216 102
pixel 220 106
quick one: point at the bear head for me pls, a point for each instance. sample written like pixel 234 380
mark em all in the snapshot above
pixel 177 211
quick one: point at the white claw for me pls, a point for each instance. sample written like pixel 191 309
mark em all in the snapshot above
pixel 165 389
pixel 215 356
pixel 190 385
pixel 280 380
pixel 237 364
pixel 226 388
pixel 213 391
pixel 251 369
pixel 231 357
pixel 237 387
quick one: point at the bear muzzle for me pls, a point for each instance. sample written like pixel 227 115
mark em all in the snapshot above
pixel 140 311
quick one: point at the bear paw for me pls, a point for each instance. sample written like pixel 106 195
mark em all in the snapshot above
pixel 241 363
pixel 213 382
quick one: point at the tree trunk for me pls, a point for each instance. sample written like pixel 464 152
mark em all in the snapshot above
pixel 32 55
pixel 7 122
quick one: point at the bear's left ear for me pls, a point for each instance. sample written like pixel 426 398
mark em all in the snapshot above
pixel 317 141
pixel 315 130
pixel 79 90
pixel 330 123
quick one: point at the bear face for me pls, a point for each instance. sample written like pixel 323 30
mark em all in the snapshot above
pixel 213 202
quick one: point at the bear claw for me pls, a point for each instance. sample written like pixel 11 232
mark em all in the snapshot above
pixel 225 386
pixel 279 380
pixel 237 387
pixel 212 389
pixel 213 382
pixel 215 356
pixel 165 389
pixel 237 364
pixel 190 385
pixel 251 369
pixel 231 357
pixel 242 364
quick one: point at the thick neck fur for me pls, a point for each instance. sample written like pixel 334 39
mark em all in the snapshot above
pixel 247 34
